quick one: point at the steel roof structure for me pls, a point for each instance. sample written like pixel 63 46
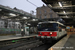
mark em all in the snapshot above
pixel 5 14
pixel 64 8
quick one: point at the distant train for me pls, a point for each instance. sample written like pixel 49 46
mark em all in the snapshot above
pixel 50 31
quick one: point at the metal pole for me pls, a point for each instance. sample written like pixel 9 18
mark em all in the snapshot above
pixel 22 29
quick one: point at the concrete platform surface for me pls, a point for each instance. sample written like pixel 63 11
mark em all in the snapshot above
pixel 70 43
pixel 59 45
pixel 2 38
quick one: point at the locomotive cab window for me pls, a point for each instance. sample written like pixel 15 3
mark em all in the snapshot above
pixel 47 27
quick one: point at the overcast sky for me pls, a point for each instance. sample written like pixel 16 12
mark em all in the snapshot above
pixel 22 4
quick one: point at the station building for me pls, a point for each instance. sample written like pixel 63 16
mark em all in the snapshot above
pixel 45 12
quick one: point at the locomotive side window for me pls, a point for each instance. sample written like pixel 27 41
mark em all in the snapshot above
pixel 60 30
pixel 61 27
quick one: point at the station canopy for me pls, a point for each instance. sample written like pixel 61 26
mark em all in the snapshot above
pixel 64 8
pixel 16 14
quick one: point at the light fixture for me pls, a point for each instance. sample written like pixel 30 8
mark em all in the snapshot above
pixel 28 24
pixel 33 19
pixel 37 25
pixel 64 11
pixel 24 17
pixel 12 14
pixel 66 16
pixel 17 22
pixel 50 5
pixel 60 4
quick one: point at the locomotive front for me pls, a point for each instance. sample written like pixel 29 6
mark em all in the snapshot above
pixel 47 31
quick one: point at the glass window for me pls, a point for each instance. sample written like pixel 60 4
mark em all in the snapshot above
pixel 45 25
pixel 50 10
pixel 40 17
pixel 40 12
pixel 60 30
pixel 45 16
pixel 61 27
pixel 48 27
pixel 50 15
pixel 45 11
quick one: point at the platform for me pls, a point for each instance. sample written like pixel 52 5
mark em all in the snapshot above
pixel 66 43
pixel 10 37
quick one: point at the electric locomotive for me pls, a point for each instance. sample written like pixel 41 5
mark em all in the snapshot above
pixel 50 31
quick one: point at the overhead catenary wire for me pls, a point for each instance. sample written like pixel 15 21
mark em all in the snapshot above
pixel 31 3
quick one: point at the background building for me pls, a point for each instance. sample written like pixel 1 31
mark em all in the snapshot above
pixel 45 12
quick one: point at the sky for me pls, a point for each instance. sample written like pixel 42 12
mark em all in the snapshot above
pixel 22 4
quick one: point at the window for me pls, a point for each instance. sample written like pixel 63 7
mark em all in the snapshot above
pixel 45 11
pixel 45 16
pixel 48 27
pixel 50 10
pixel 40 17
pixel 50 15
pixel 61 27
pixel 40 12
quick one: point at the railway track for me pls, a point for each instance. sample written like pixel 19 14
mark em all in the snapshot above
pixel 14 44
pixel 26 44
pixel 14 41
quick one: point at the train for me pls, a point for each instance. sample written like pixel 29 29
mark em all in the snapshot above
pixel 50 31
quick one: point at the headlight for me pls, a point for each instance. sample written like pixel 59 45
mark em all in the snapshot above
pixel 50 32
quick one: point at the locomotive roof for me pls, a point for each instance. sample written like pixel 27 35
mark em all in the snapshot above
pixel 51 22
